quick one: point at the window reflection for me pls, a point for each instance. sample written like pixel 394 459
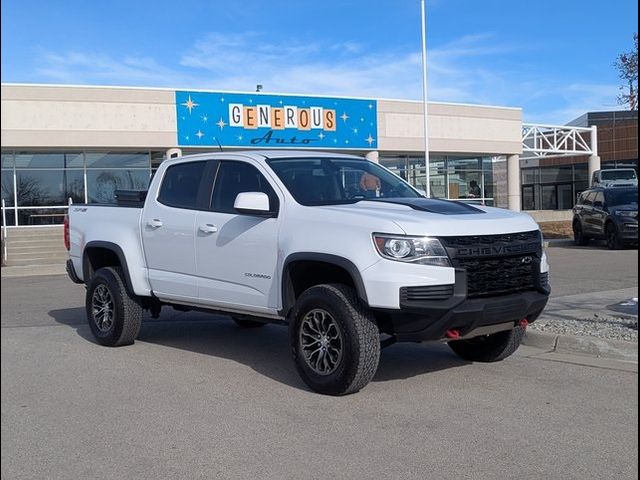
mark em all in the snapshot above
pixel 101 184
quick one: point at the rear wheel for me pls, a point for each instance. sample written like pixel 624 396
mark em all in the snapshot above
pixel 613 238
pixel 114 314
pixel 334 339
pixel 489 348
pixel 578 235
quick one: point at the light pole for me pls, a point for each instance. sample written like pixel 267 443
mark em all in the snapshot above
pixel 424 98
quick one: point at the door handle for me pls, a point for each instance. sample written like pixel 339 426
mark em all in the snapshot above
pixel 155 223
pixel 208 228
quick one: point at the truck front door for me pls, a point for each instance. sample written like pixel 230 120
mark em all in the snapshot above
pixel 237 254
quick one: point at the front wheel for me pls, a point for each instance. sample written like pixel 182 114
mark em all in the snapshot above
pixel 334 339
pixel 489 348
pixel 114 314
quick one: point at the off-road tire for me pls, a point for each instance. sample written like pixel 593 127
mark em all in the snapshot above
pixel 489 348
pixel 127 311
pixel 361 339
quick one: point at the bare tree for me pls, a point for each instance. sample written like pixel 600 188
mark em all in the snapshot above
pixel 627 65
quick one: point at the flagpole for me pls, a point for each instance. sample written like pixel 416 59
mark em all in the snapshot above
pixel 424 99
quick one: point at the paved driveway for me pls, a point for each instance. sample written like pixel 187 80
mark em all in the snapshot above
pixel 197 397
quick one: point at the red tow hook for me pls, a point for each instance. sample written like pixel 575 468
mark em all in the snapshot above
pixel 453 334
pixel 524 323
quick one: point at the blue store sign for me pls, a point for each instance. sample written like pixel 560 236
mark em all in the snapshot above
pixel 206 119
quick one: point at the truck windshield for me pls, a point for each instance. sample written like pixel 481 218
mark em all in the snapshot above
pixel 331 181
pixel 618 175
pixel 622 197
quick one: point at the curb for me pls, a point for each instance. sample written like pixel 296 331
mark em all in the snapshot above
pixel 592 346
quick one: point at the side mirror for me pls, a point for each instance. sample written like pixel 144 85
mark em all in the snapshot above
pixel 253 203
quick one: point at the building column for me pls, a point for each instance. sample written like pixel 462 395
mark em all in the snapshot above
pixel 513 183
pixel 594 158
pixel 174 152
pixel 373 156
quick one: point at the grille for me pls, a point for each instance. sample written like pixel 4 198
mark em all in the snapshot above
pixel 497 240
pixel 424 294
pixel 497 264
pixel 501 275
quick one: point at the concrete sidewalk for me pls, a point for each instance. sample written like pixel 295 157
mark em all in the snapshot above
pixel 584 324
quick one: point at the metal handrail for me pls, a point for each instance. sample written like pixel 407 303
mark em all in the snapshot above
pixel 4 231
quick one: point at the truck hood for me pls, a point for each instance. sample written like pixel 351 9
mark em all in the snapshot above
pixel 431 217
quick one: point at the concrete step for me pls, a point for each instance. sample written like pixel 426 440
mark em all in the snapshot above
pixel 14 262
pixel 35 234
pixel 39 254
pixel 36 242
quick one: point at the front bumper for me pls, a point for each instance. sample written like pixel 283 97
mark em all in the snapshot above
pixel 432 319
pixel 628 230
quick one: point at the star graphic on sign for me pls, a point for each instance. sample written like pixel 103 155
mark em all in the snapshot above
pixel 186 137
pixel 370 139
pixel 222 99
pixel 346 141
pixel 239 138
pixel 321 136
pixel 370 106
pixel 199 134
pixel 355 130
pixel 221 123
pixel 362 119
pixel 344 116
pixel 280 102
pixel 205 119
pixel 190 104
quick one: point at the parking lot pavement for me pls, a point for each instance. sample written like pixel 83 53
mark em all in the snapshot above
pixel 591 269
pixel 196 397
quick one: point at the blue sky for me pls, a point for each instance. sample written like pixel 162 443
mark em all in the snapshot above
pixel 552 58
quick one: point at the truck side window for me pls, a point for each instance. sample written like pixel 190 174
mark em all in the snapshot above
pixel 180 185
pixel 238 177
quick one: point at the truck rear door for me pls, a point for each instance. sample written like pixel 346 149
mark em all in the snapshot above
pixel 168 229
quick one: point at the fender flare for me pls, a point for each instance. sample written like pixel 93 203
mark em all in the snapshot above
pixel 338 261
pixel 115 248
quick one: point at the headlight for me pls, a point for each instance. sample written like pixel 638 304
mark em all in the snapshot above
pixel 420 250
pixel 627 213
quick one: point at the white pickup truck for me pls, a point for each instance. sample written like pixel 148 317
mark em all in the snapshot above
pixel 347 254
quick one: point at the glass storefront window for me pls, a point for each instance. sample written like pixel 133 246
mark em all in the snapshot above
pixel 101 184
pixel 41 216
pixel 457 164
pixel 49 187
pixel 49 160
pixel 556 174
pixel 465 184
pixel 549 197
pixel 118 160
pixel 7 160
pixel 10 215
pixel 7 187
pixel 489 185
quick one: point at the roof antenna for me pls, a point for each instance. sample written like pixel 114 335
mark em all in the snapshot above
pixel 219 145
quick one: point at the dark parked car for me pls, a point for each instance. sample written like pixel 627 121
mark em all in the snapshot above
pixel 607 213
